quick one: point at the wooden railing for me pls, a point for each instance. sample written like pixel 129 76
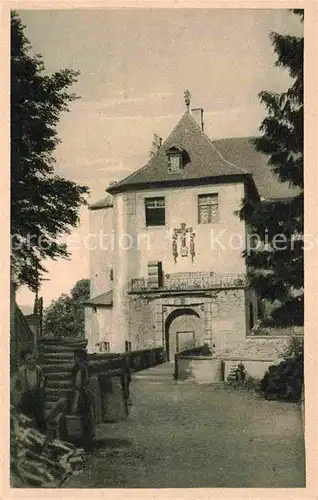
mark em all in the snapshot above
pixel 133 361
pixel 145 358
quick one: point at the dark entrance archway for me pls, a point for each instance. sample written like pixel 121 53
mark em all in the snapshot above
pixel 183 329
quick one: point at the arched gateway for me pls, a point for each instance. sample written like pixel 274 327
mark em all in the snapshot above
pixel 183 330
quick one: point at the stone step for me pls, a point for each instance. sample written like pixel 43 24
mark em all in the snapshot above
pixel 52 398
pixel 57 361
pixel 56 376
pixel 55 393
pixel 54 367
pixel 55 348
pixel 59 355
pixel 68 341
pixel 48 404
pixel 56 384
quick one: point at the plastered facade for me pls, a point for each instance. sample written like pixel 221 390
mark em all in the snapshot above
pixel 217 316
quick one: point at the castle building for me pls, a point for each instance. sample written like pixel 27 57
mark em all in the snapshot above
pixel 167 268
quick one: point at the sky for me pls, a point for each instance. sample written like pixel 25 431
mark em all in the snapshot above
pixel 134 67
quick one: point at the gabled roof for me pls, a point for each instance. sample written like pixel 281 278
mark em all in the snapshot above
pixel 205 160
pixel 242 152
pixel 210 161
pixel 104 299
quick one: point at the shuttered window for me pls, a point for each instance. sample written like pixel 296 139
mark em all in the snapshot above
pixel 127 345
pixel 155 274
pixel 208 206
pixel 155 211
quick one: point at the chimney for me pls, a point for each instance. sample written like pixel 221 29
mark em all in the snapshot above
pixel 197 114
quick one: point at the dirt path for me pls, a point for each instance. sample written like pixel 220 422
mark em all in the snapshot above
pixel 182 435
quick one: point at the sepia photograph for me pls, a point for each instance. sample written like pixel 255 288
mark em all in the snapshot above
pixel 157 248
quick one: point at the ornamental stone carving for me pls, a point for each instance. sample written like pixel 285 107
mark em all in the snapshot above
pixel 187 245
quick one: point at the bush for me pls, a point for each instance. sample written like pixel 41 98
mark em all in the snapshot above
pixel 285 380
pixel 248 384
pixel 295 348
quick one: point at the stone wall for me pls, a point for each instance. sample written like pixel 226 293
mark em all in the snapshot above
pixel 99 328
pixel 228 321
pixel 255 369
pixel 202 370
pixel 142 328
pixel 255 348
pixel 222 315
pixel 101 250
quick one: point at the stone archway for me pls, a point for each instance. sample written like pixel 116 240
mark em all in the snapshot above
pixel 183 330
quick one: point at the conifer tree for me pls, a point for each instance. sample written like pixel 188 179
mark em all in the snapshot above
pixel 276 270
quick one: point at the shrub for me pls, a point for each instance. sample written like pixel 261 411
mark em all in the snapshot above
pixel 295 348
pixel 285 381
pixel 249 383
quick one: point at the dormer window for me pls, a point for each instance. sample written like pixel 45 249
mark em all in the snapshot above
pixel 176 158
pixel 175 162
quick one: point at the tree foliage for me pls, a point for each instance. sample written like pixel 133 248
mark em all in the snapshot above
pixel 285 380
pixel 44 206
pixel 277 271
pixel 65 317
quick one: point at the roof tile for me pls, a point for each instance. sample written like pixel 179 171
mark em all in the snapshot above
pixel 208 159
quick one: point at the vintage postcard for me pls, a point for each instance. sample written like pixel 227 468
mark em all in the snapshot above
pixel 162 228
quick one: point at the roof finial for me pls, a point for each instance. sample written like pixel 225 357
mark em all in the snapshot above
pixel 187 98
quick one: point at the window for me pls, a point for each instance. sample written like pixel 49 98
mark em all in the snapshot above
pixel 111 275
pixel 208 205
pixel 127 346
pixel 103 346
pixel 155 211
pixel 175 155
pixel 175 163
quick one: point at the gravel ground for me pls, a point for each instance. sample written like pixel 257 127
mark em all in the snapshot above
pixel 183 435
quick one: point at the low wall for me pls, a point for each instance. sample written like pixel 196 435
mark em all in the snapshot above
pixel 257 353
pixel 200 369
pixel 254 368
pixel 209 370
